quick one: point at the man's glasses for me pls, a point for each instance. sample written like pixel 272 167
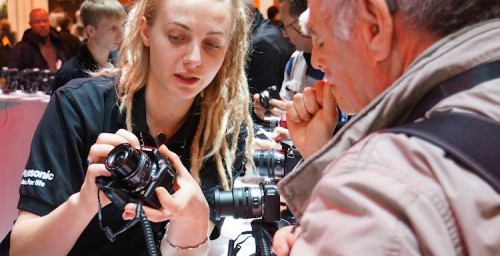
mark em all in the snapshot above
pixel 284 27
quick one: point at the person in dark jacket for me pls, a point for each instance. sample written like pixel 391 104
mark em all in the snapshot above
pixel 103 25
pixel 269 55
pixel 73 42
pixel 41 46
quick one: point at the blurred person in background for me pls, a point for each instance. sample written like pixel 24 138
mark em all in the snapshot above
pixel 103 22
pixel 273 14
pixel 41 46
pixel 269 53
pixel 65 26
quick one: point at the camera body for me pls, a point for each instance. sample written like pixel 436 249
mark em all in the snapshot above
pixel 271 92
pixel 249 202
pixel 274 163
pixel 135 174
pixel 10 79
pixel 31 80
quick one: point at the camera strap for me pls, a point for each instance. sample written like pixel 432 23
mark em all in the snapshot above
pixel 469 139
pixel 107 230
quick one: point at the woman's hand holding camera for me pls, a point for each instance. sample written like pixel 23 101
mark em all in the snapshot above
pixel 187 208
pixel 311 118
pixel 87 197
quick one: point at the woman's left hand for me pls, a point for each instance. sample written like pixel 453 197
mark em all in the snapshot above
pixel 187 204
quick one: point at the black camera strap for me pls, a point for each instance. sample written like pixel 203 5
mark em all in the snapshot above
pixel 469 139
pixel 107 230
pixel 139 216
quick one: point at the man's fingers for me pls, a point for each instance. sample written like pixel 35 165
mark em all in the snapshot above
pixel 298 104
pixel 311 101
pixel 330 104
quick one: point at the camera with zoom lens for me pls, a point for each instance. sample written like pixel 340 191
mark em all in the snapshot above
pixel 249 202
pixel 271 92
pixel 274 163
pixel 135 174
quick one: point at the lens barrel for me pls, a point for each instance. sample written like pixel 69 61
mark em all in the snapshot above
pixel 239 203
pixel 269 163
pixel 130 166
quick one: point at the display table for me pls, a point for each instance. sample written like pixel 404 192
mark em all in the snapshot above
pixel 19 117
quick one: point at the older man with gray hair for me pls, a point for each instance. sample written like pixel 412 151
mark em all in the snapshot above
pixel 373 191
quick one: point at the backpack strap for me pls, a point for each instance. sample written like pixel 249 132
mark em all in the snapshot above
pixel 463 81
pixel 471 140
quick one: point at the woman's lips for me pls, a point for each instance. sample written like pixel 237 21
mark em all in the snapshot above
pixel 187 79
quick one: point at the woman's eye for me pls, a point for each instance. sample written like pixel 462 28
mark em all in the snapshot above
pixel 175 38
pixel 212 45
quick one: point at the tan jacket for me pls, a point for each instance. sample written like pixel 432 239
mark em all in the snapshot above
pixel 368 193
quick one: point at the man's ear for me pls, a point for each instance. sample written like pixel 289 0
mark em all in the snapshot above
pixel 144 30
pixel 90 30
pixel 377 27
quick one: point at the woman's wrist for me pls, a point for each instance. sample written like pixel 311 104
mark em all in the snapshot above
pixel 183 247
pixel 183 234
pixel 175 243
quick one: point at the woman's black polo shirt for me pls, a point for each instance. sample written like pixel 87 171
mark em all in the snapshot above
pixel 76 114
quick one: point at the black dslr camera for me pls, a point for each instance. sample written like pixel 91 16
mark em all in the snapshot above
pixel 31 80
pixel 10 79
pixel 135 174
pixel 271 92
pixel 249 202
pixel 274 163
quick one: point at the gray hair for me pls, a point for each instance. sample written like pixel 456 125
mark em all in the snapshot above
pixel 439 17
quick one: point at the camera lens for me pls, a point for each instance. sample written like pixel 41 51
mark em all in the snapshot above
pixel 270 163
pixel 240 203
pixel 129 165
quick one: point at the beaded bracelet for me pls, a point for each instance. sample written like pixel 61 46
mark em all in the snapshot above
pixel 165 237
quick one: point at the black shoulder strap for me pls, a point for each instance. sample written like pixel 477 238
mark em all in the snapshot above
pixel 472 140
pixel 455 84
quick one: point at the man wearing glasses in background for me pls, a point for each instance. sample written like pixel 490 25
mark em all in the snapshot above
pixel 367 191
pixel 299 72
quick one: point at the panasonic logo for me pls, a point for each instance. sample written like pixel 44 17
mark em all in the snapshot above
pixel 38 174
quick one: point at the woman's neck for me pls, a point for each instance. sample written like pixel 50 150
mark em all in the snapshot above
pixel 165 114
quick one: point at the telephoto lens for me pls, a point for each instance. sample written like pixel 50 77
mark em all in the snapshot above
pixel 249 202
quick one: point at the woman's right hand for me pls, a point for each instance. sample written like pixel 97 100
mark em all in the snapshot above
pixel 98 153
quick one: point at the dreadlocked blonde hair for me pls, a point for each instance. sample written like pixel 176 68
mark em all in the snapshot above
pixel 224 103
